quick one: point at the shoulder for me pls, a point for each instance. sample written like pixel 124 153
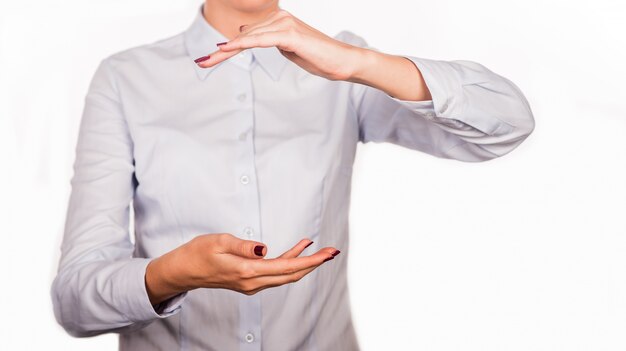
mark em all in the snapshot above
pixel 169 48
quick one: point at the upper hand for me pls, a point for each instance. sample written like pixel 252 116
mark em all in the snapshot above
pixel 307 47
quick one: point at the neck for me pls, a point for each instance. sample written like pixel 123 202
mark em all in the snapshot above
pixel 226 18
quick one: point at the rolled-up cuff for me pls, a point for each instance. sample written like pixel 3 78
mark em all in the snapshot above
pixel 450 88
pixel 134 299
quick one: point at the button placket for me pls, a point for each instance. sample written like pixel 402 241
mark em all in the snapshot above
pixel 249 306
pixel 244 59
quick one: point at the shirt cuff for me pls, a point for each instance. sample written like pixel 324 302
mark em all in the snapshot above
pixel 448 106
pixel 133 296
pixel 171 305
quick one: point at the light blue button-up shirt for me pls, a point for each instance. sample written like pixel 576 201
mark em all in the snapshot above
pixel 254 146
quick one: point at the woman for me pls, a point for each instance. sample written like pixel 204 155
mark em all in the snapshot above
pixel 238 162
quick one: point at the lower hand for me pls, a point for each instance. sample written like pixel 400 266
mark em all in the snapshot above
pixel 227 262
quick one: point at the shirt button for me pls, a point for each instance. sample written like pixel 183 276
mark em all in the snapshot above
pixel 249 337
pixel 244 179
pixel 242 136
pixel 248 231
pixel 241 97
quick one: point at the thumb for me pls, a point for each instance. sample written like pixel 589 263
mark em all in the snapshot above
pixel 245 248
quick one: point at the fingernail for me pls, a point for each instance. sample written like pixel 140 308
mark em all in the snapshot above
pixel 201 59
pixel 309 244
pixel 222 43
pixel 330 258
pixel 336 253
pixel 258 250
pixel 241 27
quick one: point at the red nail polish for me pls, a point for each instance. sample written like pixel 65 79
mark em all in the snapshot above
pixel 336 253
pixel 201 59
pixel 258 250
pixel 222 43
pixel 330 258
pixel 309 244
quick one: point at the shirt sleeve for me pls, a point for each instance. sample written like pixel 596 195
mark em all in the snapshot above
pixel 100 286
pixel 474 115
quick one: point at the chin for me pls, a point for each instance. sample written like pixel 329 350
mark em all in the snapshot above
pixel 251 5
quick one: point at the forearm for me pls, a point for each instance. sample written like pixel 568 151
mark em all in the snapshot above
pixel 395 75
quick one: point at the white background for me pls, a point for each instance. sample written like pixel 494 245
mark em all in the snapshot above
pixel 527 252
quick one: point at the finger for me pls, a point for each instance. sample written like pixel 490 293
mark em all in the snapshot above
pixel 284 266
pixel 282 39
pixel 216 57
pixel 257 284
pixel 297 249
pixel 222 54
pixel 243 248
pixel 278 280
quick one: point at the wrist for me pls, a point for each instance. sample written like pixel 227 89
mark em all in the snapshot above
pixel 365 61
pixel 162 280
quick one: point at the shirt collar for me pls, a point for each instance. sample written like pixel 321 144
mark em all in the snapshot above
pixel 201 39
